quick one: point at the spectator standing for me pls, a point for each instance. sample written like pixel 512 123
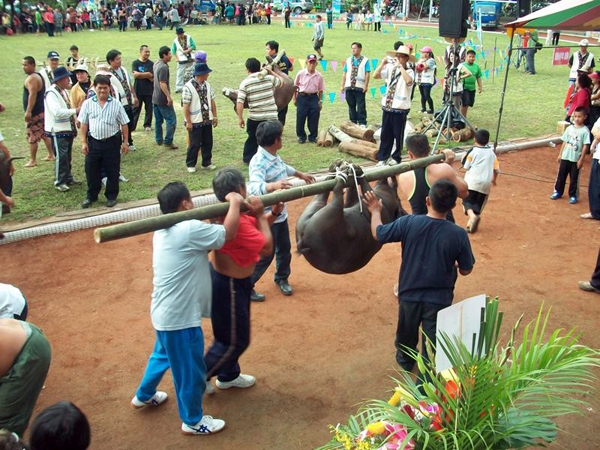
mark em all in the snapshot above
pixel 162 100
pixel 426 78
pixel 355 83
pixel 39 21
pixel 576 142
pixel 532 43
pixel 427 241
pixel 395 103
pixel 594 196
pixel 33 105
pixel 159 15
pixel 143 73
pixel 318 36
pixel 183 47
pixel 286 15
pixel 582 96
pixel 329 13
pixel 80 90
pixel 122 19
pixel 49 19
pixel 58 21
pixel 594 111
pixel 269 173
pixel 285 65
pixel 46 72
pixel 59 124
pixel 470 77
pixel 200 112
pixel 261 103
pixel 308 100
pixel 137 15
pixel 121 83
pixel 103 136
pixel 377 18
pixel 72 61
pixel 230 13
pixel 73 19
pixel 581 62
pixel 181 296
pixel 268 13
pixel 555 37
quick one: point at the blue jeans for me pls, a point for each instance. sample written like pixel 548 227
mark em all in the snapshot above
pixel 282 254
pixel 183 352
pixel 159 23
pixel 164 114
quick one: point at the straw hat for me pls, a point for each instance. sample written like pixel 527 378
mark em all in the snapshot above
pixel 402 50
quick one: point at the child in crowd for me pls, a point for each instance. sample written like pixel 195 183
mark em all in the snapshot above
pixel 348 20
pixel 576 142
pixel 426 69
pixel 482 171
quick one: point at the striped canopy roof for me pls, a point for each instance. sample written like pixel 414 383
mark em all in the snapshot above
pixel 576 15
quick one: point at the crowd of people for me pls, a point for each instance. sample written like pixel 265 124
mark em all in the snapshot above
pixel 44 18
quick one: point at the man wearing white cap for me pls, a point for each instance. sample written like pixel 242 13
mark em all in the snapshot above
pixel 395 104
pixel 581 62
pixel 46 72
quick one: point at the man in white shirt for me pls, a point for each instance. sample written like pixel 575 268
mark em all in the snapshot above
pixel 355 83
pixel 180 298
pixel 182 48
pixel 395 104
pixel 59 124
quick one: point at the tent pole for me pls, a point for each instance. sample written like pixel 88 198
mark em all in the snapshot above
pixel 510 49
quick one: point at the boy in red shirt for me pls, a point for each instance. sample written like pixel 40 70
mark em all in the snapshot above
pixel 232 269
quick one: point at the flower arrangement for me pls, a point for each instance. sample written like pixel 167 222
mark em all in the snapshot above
pixel 494 397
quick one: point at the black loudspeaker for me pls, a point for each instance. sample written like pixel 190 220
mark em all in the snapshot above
pixel 454 18
pixel 523 7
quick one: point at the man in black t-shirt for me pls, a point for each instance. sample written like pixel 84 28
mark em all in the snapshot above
pixel 432 250
pixel 142 70
pixel 285 65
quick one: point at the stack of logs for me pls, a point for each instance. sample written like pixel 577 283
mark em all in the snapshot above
pixel 353 139
pixel 456 135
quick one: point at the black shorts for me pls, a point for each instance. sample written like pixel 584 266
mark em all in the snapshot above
pixel 468 98
pixel 319 44
pixel 475 201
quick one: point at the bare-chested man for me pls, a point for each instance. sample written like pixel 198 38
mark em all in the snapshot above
pixel 24 364
pixel 414 185
pixel 33 104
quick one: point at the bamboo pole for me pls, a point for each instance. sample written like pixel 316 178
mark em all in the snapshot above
pixel 150 224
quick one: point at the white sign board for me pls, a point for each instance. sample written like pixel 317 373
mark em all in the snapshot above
pixel 462 320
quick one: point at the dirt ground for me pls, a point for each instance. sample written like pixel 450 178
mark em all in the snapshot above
pixel 316 355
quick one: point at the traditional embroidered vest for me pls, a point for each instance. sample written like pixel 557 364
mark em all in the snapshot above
pixel 55 125
pixel 200 112
pixel 580 64
pixel 356 75
pixel 182 57
pixel 428 75
pixel 398 92
pixel 122 86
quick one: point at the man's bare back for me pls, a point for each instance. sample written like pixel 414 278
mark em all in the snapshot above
pixel 12 339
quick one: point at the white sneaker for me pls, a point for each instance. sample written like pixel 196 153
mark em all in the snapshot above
pixel 123 179
pixel 62 187
pixel 392 162
pixel 362 126
pixel 207 425
pixel 396 290
pixel 157 399
pixel 210 389
pixel 211 167
pixel 104 181
pixel 147 129
pixel 380 164
pixel 191 169
pixel 242 381
pixel 133 148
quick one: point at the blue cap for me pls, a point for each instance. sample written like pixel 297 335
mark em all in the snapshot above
pixel 53 55
pixel 201 69
pixel 59 73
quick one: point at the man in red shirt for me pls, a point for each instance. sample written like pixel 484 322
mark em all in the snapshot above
pixel 232 269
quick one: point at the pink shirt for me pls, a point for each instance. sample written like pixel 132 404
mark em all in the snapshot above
pixel 309 84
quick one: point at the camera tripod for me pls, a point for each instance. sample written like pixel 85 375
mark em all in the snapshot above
pixel 449 113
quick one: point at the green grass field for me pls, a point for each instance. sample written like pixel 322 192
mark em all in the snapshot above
pixel 533 103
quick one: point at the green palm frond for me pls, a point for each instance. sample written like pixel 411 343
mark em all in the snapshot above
pixel 506 396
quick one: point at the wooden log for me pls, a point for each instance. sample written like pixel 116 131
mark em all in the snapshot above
pixel 431 133
pixel 462 135
pixel 321 137
pixel 353 130
pixel 151 224
pixel 343 137
pixel 328 142
pixel 357 149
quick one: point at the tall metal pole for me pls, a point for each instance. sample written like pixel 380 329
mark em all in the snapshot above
pixel 220 209
pixel 510 49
